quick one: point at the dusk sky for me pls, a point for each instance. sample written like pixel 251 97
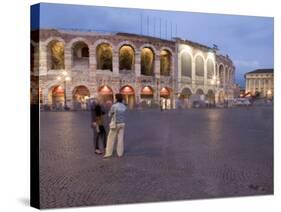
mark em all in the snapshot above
pixel 248 40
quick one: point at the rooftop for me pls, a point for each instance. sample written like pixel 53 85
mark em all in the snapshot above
pixel 261 71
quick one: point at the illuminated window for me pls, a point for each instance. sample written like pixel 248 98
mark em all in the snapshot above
pixel 126 58
pixel 104 57
pixel 186 64
pixel 147 61
pixel 165 63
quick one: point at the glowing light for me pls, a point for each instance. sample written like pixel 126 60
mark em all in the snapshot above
pixel 147 90
pixel 67 79
pixel 64 73
pixel 269 92
pixel 58 78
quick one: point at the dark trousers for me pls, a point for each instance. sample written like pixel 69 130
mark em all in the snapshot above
pixel 99 135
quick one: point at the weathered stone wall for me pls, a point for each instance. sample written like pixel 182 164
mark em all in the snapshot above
pixel 87 73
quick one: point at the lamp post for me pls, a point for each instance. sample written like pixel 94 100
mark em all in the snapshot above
pixel 64 78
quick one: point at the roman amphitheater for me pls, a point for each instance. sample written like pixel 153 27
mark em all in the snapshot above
pixel 74 66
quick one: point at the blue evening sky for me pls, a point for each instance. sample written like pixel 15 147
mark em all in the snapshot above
pixel 248 40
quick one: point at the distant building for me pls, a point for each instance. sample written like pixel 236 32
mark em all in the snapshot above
pixel 260 82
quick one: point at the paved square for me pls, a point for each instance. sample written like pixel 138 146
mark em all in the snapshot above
pixel 171 155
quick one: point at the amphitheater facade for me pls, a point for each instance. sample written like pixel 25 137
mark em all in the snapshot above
pixel 73 66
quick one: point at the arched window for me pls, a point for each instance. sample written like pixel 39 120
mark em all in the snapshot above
pixel 221 70
pixel 126 58
pixel 210 69
pixel 55 55
pixel 185 93
pixel 186 64
pixel 104 57
pixel 147 61
pixel 165 63
pixel 80 54
pixel 200 91
pixel 199 66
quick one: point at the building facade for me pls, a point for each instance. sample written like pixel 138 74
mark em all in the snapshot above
pixel 260 82
pixel 73 66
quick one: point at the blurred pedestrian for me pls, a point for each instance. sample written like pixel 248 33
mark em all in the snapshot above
pixel 98 125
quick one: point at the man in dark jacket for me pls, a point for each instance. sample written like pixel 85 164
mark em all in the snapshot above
pixel 97 113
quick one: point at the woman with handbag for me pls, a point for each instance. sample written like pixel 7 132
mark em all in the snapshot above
pixel 117 127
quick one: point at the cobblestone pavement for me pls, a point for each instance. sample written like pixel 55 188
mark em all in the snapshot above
pixel 170 155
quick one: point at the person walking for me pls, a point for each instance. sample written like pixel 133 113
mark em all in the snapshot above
pixel 117 127
pixel 98 125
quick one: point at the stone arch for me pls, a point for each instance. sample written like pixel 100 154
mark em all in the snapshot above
pixel 126 42
pixel 147 92
pixel 166 97
pixel 226 73
pixel 221 97
pixel 56 97
pixel 80 54
pixel 210 68
pixel 104 56
pixel 165 92
pixel 220 73
pixel 79 39
pixel 106 93
pixel 126 57
pixel 147 61
pixel 199 91
pixel 55 54
pixel 211 96
pixel 199 65
pixel 146 95
pixel 185 93
pixel 128 93
pixel 153 48
pixel 101 41
pixel 80 96
pixel 186 63
pixel 165 62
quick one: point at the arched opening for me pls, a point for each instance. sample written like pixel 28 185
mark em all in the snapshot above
pixel 128 95
pixel 210 69
pixel 55 55
pixel 186 65
pixel 106 94
pixel 146 96
pixel 126 58
pixel 147 61
pixel 210 98
pixel 165 63
pixel 80 54
pixel 184 98
pixel 185 93
pixel 104 57
pixel 200 92
pixel 56 97
pixel 81 94
pixel 165 98
pixel 221 70
pixel 221 97
pixel 199 66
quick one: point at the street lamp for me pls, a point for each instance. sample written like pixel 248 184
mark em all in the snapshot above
pixel 64 78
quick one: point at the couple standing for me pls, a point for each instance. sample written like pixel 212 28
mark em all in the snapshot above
pixel 116 126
